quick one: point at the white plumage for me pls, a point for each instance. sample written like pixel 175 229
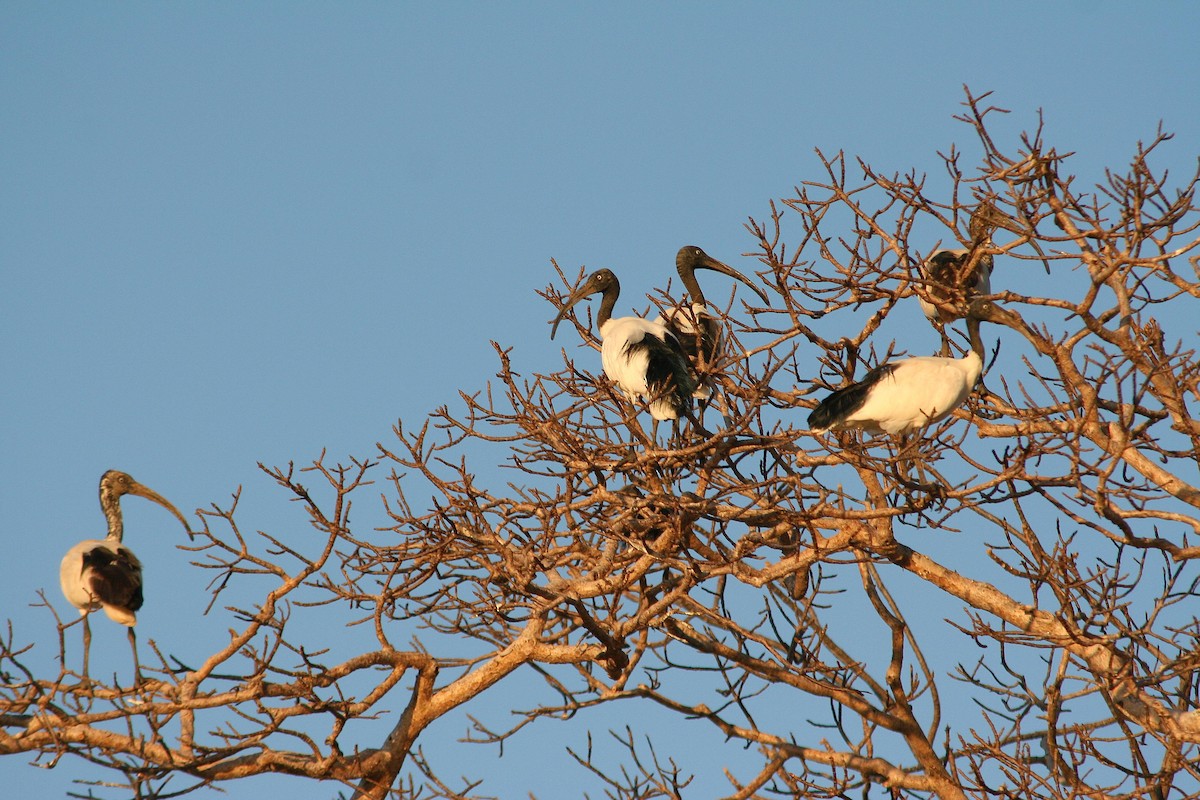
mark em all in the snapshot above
pixel 628 346
pixel 905 395
pixel 954 277
pixel 697 330
pixel 900 396
pixel 104 574
pixel 643 358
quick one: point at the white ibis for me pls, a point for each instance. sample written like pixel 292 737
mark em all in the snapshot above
pixel 905 395
pixel 696 328
pixel 104 573
pixel 641 357
pixel 954 277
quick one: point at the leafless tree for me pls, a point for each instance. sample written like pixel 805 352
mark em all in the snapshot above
pixel 1004 605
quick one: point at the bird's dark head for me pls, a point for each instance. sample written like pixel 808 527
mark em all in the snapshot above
pixel 986 218
pixel 942 262
pixel 989 311
pixel 114 484
pixel 601 281
pixel 691 258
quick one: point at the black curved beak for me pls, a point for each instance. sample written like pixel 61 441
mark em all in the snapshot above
pixel 708 262
pixel 575 297
pixel 150 494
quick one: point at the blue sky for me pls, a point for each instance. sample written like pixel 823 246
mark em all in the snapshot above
pixel 236 233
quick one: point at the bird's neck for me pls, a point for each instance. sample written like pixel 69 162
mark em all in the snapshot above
pixel 112 512
pixel 973 363
pixel 608 302
pixel 688 276
pixel 974 337
pixel 116 526
pixel 974 357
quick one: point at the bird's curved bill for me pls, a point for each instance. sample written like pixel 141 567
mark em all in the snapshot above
pixel 575 297
pixel 720 266
pixel 148 493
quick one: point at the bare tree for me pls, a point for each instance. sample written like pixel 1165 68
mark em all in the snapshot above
pixel 763 582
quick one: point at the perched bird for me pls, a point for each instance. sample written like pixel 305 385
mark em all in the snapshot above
pixel 105 574
pixel 954 277
pixel 902 396
pixel 695 326
pixel 641 357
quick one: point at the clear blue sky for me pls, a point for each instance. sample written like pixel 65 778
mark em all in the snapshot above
pixel 233 233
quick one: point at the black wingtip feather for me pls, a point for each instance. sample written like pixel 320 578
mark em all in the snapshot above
pixel 116 577
pixel 845 401
pixel 667 373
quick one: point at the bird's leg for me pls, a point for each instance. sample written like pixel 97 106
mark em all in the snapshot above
pixel 701 406
pixel 908 455
pixel 913 448
pixel 87 645
pixel 697 425
pixel 904 455
pixel 636 433
pixel 677 431
pixel 915 459
pixel 723 407
pixel 137 667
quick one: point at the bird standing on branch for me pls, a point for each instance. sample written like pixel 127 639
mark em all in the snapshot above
pixel 905 395
pixel 641 357
pixel 953 277
pixel 104 574
pixel 696 328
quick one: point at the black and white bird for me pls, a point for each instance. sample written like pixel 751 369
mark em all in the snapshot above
pixel 640 356
pixel 953 277
pixel 697 329
pixel 905 395
pixel 104 574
